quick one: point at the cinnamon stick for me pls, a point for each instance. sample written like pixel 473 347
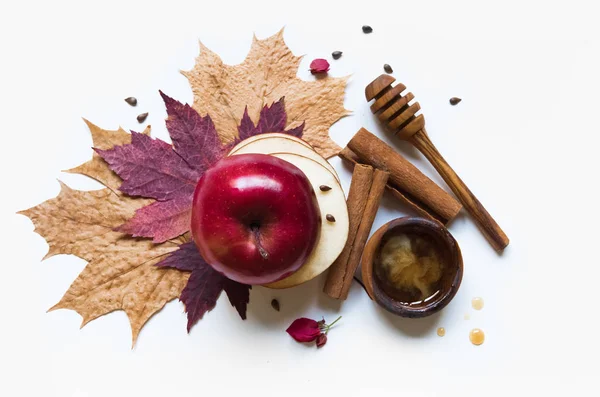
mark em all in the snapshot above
pixel 404 176
pixel 353 159
pixel 366 189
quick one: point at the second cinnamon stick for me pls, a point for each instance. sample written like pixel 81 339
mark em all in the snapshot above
pixel 404 176
pixel 365 193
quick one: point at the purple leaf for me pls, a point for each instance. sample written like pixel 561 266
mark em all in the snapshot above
pixel 161 220
pixel 186 258
pixel 151 168
pixel 273 118
pixel 205 284
pixel 297 132
pixel 238 294
pixel 194 137
pixel 246 129
pixel 201 293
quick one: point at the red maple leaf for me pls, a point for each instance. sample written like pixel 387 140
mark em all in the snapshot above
pixel 205 284
pixel 272 119
pixel 154 169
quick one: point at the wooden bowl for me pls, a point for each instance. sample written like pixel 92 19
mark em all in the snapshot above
pixel 450 255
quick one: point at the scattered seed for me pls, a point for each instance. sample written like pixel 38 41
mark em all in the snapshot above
pixel 454 101
pixel 330 218
pixel 336 54
pixel 131 100
pixel 367 29
pixel 142 117
pixel 324 188
pixel 275 304
pixel 388 68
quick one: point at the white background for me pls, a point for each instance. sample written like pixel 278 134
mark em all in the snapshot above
pixel 524 138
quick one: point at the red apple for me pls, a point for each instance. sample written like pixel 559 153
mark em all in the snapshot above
pixel 255 218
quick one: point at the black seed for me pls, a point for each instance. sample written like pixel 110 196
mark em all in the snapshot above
pixel 336 54
pixel 330 218
pixel 388 68
pixel 142 117
pixel 367 29
pixel 324 188
pixel 454 100
pixel 131 100
pixel 275 304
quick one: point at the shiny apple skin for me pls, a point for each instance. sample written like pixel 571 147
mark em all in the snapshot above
pixel 252 201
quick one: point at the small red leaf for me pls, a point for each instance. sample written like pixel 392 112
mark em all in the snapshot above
pixel 321 340
pixel 161 220
pixel 246 129
pixel 272 118
pixel 205 284
pixel 319 65
pixel 304 330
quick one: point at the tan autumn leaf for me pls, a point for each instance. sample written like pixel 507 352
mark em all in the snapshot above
pixel 96 168
pixel 120 274
pixel 267 74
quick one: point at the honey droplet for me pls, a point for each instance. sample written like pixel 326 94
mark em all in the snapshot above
pixel 477 303
pixel 476 336
pixel 441 331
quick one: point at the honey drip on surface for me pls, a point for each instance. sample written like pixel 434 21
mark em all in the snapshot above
pixel 441 331
pixel 476 336
pixel 477 303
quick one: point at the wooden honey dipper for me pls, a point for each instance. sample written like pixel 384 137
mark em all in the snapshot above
pixel 395 112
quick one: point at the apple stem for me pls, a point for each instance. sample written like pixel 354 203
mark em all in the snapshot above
pixel 263 252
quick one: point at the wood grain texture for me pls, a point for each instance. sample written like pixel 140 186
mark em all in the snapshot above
pixel 404 176
pixel 352 159
pixel 490 229
pixel 364 229
pixel 399 117
pixel 360 186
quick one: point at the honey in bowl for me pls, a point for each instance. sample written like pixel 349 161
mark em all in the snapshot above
pixel 410 268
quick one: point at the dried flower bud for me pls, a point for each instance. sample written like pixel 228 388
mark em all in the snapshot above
pixel 321 340
pixel 319 65
pixel 307 330
pixel 304 330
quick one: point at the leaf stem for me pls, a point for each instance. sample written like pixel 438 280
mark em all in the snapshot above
pixel 331 325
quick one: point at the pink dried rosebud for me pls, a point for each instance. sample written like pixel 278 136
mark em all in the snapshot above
pixel 319 65
pixel 307 330
pixel 304 330
pixel 321 340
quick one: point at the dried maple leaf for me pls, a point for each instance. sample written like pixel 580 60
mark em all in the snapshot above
pixel 205 284
pixel 120 274
pixel 267 74
pixel 96 168
pixel 152 168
